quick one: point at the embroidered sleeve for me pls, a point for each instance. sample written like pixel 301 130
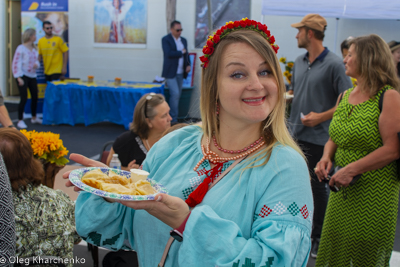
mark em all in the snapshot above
pixel 17 63
pixel 279 227
pixel 104 224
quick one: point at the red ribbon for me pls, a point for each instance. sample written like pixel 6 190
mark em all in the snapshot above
pixel 198 194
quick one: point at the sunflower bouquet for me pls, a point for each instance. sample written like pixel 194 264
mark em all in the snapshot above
pixel 288 69
pixel 47 147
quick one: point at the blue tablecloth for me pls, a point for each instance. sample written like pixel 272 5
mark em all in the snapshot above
pixel 74 103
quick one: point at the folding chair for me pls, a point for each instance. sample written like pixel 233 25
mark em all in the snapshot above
pixel 105 152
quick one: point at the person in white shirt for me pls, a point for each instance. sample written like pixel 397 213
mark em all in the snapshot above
pixel 24 67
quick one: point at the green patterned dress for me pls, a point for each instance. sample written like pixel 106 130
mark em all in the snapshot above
pixel 360 220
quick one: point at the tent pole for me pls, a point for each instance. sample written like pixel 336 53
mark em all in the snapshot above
pixel 336 34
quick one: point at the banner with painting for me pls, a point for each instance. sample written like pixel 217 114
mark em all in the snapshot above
pixel 120 23
pixel 221 12
pixel 33 14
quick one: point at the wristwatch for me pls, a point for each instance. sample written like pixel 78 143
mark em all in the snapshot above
pixel 176 235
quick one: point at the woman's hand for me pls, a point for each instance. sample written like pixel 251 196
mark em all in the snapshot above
pixel 20 81
pixel 170 210
pixel 35 66
pixel 133 165
pixel 322 169
pixel 85 162
pixel 342 178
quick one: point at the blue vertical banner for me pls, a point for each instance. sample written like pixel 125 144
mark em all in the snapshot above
pixel 33 14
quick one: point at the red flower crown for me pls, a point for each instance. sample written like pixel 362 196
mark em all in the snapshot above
pixel 230 26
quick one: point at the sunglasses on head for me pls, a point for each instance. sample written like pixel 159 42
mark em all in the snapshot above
pixel 49 28
pixel 148 98
pixel 179 30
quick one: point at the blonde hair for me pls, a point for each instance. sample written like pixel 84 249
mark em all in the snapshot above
pixel 375 63
pixel 139 124
pixel 28 33
pixel 274 126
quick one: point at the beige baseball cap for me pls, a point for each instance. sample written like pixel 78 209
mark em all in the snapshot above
pixel 312 21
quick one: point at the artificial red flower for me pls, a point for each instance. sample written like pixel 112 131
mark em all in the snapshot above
pixel 210 43
pixel 216 39
pixel 230 26
pixel 210 50
pixel 219 31
pixel 203 59
pixel 254 23
pixel 243 23
pixel 236 24
pixel 271 39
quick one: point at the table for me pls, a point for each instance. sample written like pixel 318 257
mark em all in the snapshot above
pixel 74 102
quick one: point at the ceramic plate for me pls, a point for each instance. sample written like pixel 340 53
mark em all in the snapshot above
pixel 76 175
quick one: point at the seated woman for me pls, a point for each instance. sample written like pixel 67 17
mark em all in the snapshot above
pixel 239 187
pixel 150 119
pixel 44 218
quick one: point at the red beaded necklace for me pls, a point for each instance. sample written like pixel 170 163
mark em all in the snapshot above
pixel 214 158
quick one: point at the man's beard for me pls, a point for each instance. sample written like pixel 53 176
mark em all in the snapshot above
pixel 304 43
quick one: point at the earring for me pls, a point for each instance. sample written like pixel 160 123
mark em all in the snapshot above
pixel 217 109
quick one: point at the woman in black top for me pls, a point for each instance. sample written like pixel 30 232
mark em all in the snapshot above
pixel 150 119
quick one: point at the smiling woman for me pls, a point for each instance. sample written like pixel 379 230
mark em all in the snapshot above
pixel 259 210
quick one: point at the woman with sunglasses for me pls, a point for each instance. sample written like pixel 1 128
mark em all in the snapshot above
pixel 259 207
pixel 150 119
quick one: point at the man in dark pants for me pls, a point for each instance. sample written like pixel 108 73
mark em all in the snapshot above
pixel 318 79
pixel 176 65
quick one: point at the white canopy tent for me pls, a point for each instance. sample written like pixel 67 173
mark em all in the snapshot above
pixel 350 17
pixel 351 9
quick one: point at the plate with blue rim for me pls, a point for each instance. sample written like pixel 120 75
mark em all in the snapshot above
pixel 75 177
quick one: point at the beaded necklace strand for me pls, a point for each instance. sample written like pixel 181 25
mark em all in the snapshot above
pixel 214 158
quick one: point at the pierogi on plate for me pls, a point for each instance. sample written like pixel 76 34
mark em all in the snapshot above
pixel 115 183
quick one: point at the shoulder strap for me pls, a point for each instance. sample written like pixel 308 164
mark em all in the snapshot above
pixel 341 96
pixel 381 100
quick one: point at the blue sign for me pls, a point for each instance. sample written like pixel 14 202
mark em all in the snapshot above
pixel 44 5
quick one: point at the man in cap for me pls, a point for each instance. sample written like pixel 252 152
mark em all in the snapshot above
pixel 318 79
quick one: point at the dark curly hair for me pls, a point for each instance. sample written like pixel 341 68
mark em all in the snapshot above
pixel 23 169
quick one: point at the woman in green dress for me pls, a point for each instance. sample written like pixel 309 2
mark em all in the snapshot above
pixel 360 221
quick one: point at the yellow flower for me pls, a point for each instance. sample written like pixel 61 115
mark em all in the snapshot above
pixel 290 64
pixel 282 60
pixel 286 73
pixel 47 146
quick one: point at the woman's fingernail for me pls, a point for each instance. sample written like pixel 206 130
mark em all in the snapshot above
pixel 159 198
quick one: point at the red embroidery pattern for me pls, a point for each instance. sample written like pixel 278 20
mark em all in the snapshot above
pixel 265 211
pixel 304 212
